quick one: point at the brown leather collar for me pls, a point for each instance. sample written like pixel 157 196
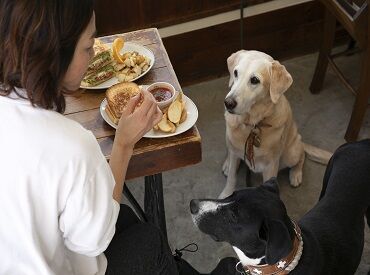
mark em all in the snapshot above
pixel 280 267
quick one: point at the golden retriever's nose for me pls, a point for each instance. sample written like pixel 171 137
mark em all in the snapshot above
pixel 230 103
pixel 194 206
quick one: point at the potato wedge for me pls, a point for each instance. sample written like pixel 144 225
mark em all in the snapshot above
pixel 180 97
pixel 173 115
pixel 184 115
pixel 173 127
pixel 165 110
pixel 174 111
pixel 164 125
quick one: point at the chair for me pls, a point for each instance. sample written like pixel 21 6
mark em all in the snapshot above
pixel 355 21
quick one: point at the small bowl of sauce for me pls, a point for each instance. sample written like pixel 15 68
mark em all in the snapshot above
pixel 163 92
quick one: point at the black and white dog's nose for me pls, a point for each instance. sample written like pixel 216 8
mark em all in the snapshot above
pixel 230 103
pixel 194 206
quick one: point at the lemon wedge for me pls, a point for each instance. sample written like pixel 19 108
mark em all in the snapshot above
pixel 116 48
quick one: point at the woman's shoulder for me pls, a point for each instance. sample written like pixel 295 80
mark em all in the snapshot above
pixel 64 138
pixel 73 135
pixel 48 132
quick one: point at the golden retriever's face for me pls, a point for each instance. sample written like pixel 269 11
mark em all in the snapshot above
pixel 254 76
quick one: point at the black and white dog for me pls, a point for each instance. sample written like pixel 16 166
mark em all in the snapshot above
pixel 328 240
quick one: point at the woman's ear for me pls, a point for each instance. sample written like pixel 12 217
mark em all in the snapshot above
pixel 232 60
pixel 280 81
pixel 279 243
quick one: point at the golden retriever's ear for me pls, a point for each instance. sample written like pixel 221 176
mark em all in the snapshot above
pixel 280 81
pixel 232 60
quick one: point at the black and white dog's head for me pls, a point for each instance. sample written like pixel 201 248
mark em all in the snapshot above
pixel 254 221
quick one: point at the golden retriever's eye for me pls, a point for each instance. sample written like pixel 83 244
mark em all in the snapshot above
pixel 255 80
pixel 235 73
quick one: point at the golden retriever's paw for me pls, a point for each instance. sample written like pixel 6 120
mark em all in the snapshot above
pixel 224 195
pixel 225 167
pixel 226 192
pixel 295 178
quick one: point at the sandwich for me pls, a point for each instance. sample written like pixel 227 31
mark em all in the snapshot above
pixel 100 67
pixel 117 98
pixel 101 75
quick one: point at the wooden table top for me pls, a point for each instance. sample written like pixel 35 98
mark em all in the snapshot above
pixel 151 156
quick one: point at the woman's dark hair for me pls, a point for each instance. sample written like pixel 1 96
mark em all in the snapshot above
pixel 37 42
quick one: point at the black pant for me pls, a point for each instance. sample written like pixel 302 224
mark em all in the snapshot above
pixel 138 248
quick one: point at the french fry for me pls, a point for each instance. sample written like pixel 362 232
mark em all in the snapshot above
pixel 140 59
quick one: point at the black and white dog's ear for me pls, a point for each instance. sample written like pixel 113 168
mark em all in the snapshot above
pixel 271 185
pixel 279 243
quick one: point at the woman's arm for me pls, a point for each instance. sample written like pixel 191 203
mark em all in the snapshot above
pixel 134 123
pixel 119 160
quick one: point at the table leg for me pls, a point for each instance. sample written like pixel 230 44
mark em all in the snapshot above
pixel 154 203
pixel 139 211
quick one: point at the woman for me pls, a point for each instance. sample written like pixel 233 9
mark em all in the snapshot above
pixel 60 199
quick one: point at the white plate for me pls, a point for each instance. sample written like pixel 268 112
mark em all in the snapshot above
pixel 192 117
pixel 128 47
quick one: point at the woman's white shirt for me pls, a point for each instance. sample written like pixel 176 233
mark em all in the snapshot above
pixel 57 214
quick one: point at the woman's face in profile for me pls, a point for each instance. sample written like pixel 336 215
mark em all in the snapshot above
pixel 83 53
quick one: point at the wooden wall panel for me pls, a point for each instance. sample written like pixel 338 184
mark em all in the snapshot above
pixel 115 16
pixel 200 55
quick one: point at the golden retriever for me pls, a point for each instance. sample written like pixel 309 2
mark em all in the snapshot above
pixel 259 121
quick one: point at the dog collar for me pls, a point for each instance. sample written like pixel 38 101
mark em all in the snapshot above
pixel 284 266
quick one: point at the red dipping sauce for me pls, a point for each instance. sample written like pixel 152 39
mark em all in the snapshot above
pixel 161 94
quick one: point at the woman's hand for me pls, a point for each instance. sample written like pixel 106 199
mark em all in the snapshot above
pixel 135 123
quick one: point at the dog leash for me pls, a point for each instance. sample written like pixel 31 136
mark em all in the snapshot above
pixel 178 252
pixel 253 140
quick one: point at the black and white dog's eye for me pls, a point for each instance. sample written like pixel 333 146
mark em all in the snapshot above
pixel 233 217
pixel 236 73
pixel 255 80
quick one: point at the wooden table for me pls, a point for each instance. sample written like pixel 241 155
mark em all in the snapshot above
pixel 151 156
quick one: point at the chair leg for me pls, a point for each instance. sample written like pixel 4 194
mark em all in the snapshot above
pixel 327 43
pixel 361 102
pixel 351 45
